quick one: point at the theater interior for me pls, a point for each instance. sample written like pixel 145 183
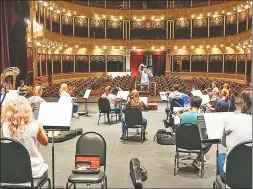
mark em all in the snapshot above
pixel 92 44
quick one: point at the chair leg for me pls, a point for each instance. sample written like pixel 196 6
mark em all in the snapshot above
pixel 67 185
pixel 175 165
pixel 49 183
pixel 99 118
pixel 202 164
pixel 74 185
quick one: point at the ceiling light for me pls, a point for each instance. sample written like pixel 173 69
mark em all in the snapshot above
pixel 104 47
pixel 228 13
pixel 112 47
pixel 152 18
pixel 162 48
pixel 77 46
pixel 175 47
pixel 192 47
pixel 162 17
pixel 181 19
pixel 134 48
pixel 135 17
pixel 121 17
pixel 51 8
pixel 58 11
pixel 193 16
pixel 143 17
pixel 96 47
pixel 153 48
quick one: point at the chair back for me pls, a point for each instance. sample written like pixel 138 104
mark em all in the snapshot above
pixel 188 137
pixel 239 166
pixel 133 116
pixel 224 108
pixel 232 107
pixel 176 102
pixel 15 162
pixel 92 143
pixel 103 105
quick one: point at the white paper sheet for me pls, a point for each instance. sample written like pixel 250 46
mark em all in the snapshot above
pixel 64 100
pixel 55 114
pixel 87 94
pixel 196 93
pixel 9 95
pixel 122 95
pixel 144 100
pixel 176 117
pixel 163 96
pixel 205 99
pixel 215 123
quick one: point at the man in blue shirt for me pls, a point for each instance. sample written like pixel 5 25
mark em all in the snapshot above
pixel 176 93
pixel 191 117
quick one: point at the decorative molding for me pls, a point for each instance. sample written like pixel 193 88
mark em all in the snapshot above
pixel 181 57
pixel 199 57
pixel 182 24
pixel 231 19
pixel 29 53
pixel 94 23
pixel 242 17
pixel 200 23
pixel 216 57
pixel 84 58
pixel 115 24
pixel 55 17
pixel 229 57
pixel 43 57
pixel 57 57
pixel 97 58
pixel 67 20
pixel 79 21
pixel 68 57
pixel 241 57
pixel 216 21
pixel 115 58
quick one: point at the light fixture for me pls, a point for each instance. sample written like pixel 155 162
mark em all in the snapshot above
pixel 121 47
pixel 181 19
pixel 112 17
pixel 207 46
pixel 221 45
pixel 135 17
pixel 153 48
pixel 112 47
pixel 96 47
pixel 175 47
pixel 69 14
pixel 162 17
pixel 200 15
pixel 214 46
pixel 192 47
pixel 247 6
pixel 58 11
pixel 103 16
pixel 184 47
pixel 200 47
pixel 63 10
pixel 152 17
pixel 121 17
pixel 222 12
pixel 77 46
pixel 45 4
pixel 134 48
pixel 239 10
pixel 51 8
pixel 208 14
pixel 143 18
pixel 60 47
pixel 38 44
pixel 228 13
pixel 193 16
pixel 162 47
pixel 82 16
pixel 104 47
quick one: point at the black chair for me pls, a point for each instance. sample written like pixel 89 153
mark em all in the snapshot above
pixel 133 119
pixel 16 171
pixel 188 141
pixel 238 168
pixel 224 108
pixel 232 107
pixel 90 143
pixel 104 109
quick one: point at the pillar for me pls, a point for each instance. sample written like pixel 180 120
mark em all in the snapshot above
pixel 168 64
pixel 128 66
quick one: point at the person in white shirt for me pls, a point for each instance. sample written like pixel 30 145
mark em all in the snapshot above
pixel 113 101
pixel 214 94
pixel 176 94
pixel 237 129
pixel 64 94
pixel 145 74
pixel 141 66
pixel 19 124
pixel 36 98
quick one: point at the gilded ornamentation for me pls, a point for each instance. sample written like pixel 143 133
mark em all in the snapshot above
pixel 29 53
pixel 97 58
pixel 199 58
pixel 115 58
pixel 248 56
pixel 200 23
pixel 57 57
pixel 79 21
pixel 241 57
pixel 43 58
pixel 97 23
pixel 148 24
pixel 242 17
pixel 231 19
pixel 41 10
pixel 50 57
pixel 229 57
pixel 250 13
pixel 84 58
pixel 216 21
pixel 216 57
pixel 67 20
pixel 55 17
pixel 68 57
pixel 182 24
pixel 114 24
pixel 48 15
pixel 182 57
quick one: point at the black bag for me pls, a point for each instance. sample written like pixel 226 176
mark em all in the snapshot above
pixel 138 173
pixel 66 135
pixel 164 137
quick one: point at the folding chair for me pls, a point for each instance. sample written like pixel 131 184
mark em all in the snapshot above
pixel 224 108
pixel 133 119
pixel 188 141
pixel 104 109
pixel 90 143
pixel 16 171
pixel 238 168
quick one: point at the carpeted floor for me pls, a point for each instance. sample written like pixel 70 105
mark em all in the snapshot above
pixel 157 159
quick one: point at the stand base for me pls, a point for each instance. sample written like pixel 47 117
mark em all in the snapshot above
pixel 84 113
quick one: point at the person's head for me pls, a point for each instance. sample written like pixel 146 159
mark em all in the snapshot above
pixel 108 90
pixel 176 87
pixel 145 69
pixel 135 101
pixel 17 113
pixel 223 93
pixel 246 102
pixel 213 84
pixel 226 86
pixel 37 91
pixel 22 83
pixel 63 88
pixel 135 94
pixel 196 102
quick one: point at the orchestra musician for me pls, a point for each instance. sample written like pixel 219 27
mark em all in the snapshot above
pixel 222 101
pixel 213 92
pixel 64 92
pixel 36 98
pixel 22 86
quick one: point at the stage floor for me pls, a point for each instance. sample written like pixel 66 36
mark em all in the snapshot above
pixel 157 159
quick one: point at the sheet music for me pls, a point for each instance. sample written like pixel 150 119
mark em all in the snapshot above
pixel 55 114
pixel 65 99
pixel 10 94
pixel 205 99
pixel 215 123
pixel 87 94
pixel 144 100
pixel 163 96
pixel 122 95
pixel 176 117
pixel 196 93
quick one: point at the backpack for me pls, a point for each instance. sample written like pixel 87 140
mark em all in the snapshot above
pixel 164 137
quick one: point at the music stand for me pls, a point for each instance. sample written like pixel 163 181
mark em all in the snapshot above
pixel 2 97
pixel 55 117
pixel 85 97
pixel 164 98
pixel 122 95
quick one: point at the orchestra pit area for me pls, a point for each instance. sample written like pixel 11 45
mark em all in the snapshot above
pixel 126 94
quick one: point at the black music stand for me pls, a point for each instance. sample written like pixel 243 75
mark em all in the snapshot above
pixel 85 97
pixel 55 117
pixel 2 97
pixel 122 96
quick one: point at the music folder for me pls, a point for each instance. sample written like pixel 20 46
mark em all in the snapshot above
pixel 144 100
pixel 55 116
pixel 196 93
pixel 87 94
pixel 163 96
pixel 122 95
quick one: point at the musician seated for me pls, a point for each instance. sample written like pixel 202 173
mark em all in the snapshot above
pixel 18 123
pixel 176 94
pixel 36 99
pixel 64 93
pixel 214 93
pixel 134 100
pixel 227 89
pixel 113 101
pixel 21 88
pixel 237 129
pixel 191 117
pixel 222 101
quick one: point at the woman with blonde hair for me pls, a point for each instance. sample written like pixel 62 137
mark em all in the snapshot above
pixel 222 101
pixel 135 101
pixel 18 123
pixel 36 98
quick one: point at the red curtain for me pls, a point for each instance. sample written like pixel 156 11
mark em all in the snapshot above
pixel 136 61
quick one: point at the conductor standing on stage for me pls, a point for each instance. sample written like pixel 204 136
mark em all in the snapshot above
pixel 145 74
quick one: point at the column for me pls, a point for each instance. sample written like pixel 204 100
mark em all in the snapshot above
pixel 167 32
pixel 105 4
pixel 128 66
pixel 129 30
pixel 172 28
pixel 46 62
pixel 168 64
pixel 167 4
pixel 236 63
pixel 247 20
pixel 60 24
pixel 246 64
pixel 208 27
pixel 223 62
pixel 106 63
pixel 88 27
pixel 74 62
pixel 237 23
pixel 61 64
pixel 34 54
pixel 105 30
pixel 40 65
pixel 191 30
pixel 191 3
pixel 89 52
pixel 224 23
pixel 73 21
pixel 123 22
pixel 172 69
pixel 207 62
pixel 190 61
pixel 51 24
